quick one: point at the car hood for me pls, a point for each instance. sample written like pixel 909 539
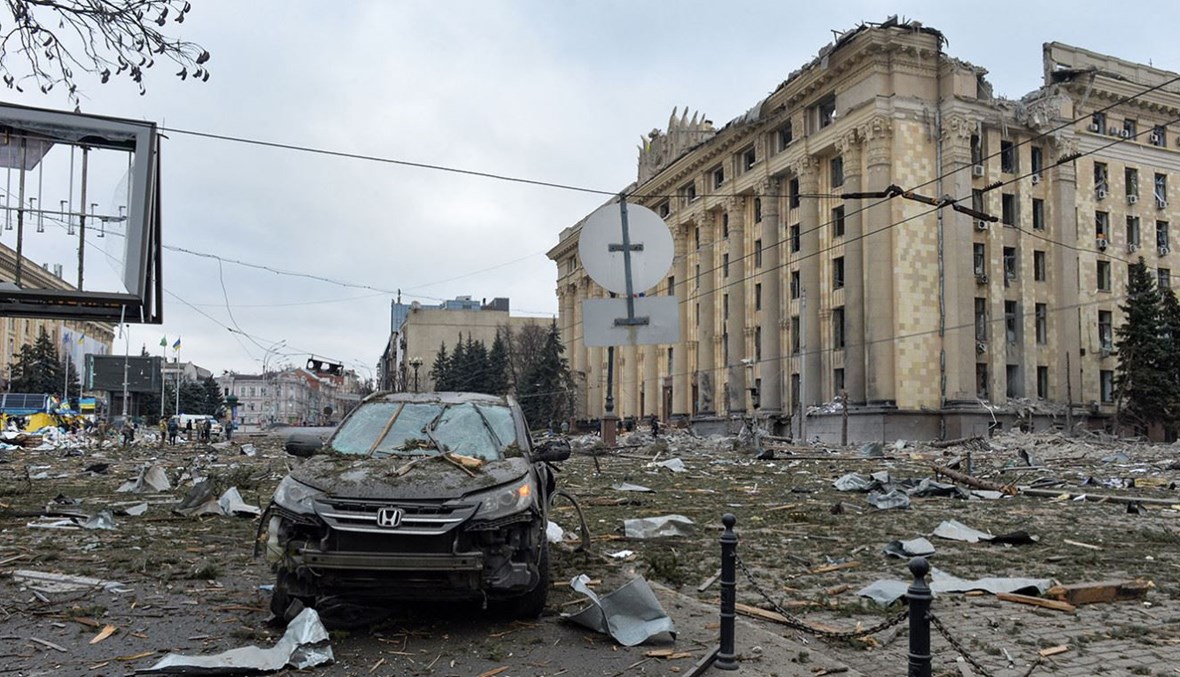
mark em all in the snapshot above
pixel 376 478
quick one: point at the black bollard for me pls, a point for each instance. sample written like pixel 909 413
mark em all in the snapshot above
pixel 726 655
pixel 919 597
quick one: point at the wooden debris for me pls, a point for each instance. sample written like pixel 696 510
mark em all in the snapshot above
pixel 964 478
pixel 466 461
pixel 827 568
pixel 708 582
pixel 943 444
pixel 668 654
pixel 47 643
pixel 1053 650
pixel 1098 498
pixel 1081 545
pixel 493 671
pixel 1103 591
pixel 1036 601
pixel 837 589
pixel 103 634
pixel 135 657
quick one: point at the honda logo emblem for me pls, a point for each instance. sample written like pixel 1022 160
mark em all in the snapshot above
pixel 390 518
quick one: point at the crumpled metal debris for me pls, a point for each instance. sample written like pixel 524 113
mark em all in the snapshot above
pixel 103 520
pixel 42 581
pixel 663 526
pixel 627 486
pixel 631 615
pixel 954 530
pixel 151 478
pixel 304 645
pixel 673 464
pixel 872 450
pixel 889 500
pixel 886 592
pixel 231 503
pixel 916 547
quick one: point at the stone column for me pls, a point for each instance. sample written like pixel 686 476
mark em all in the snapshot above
pixel 854 271
pixel 880 325
pixel 707 299
pixel 960 287
pixel 1064 337
pixel 774 363
pixel 681 391
pixel 735 286
pixel 578 351
pixel 651 375
pixel 628 375
pixel 814 294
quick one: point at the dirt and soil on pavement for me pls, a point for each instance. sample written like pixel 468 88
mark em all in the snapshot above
pixel 168 582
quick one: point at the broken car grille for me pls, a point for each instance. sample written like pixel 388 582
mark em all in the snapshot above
pixel 381 517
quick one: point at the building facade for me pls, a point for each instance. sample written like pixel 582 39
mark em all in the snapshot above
pixel 419 331
pixel 929 321
pixel 73 338
pixel 290 397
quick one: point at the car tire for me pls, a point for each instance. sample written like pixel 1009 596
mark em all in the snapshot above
pixel 532 603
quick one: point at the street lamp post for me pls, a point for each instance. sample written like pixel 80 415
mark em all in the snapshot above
pixel 415 362
pixel 271 401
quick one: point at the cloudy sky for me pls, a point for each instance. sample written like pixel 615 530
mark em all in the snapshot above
pixel 543 90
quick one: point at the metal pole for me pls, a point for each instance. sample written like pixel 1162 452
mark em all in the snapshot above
pixel 82 217
pixel 20 210
pixel 919 597
pixel 177 412
pixel 803 363
pixel 726 655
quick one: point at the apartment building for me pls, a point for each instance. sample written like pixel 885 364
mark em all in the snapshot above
pixel 934 321
pixel 291 397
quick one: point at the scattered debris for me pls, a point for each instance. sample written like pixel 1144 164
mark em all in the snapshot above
pixel 631 614
pixel 1104 591
pixel 54 583
pixel 304 645
pixel 918 547
pixel 664 526
pixel 151 478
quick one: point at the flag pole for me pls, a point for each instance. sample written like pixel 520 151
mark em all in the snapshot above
pixel 178 378
pixel 163 375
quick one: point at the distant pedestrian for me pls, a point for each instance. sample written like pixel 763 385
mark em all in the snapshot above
pixel 173 430
pixel 188 430
pixel 655 426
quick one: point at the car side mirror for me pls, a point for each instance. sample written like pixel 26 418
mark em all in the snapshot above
pixel 303 444
pixel 552 450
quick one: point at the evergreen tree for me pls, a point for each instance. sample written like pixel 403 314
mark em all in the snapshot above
pixel 1170 338
pixel 1143 389
pixel 544 391
pixel 38 369
pixel 478 373
pixel 460 366
pixel 497 377
pixel 213 402
pixel 440 371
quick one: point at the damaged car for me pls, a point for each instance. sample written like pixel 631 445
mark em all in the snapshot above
pixel 416 496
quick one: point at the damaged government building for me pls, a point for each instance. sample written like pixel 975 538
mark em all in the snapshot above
pixel 935 322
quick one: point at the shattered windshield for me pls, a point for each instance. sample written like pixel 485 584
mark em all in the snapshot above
pixel 427 428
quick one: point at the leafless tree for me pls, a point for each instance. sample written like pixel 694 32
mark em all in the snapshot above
pixel 49 42
pixel 524 348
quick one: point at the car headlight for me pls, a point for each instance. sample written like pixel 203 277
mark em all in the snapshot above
pixel 296 496
pixel 506 500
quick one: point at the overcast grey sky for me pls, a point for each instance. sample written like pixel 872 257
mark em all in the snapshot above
pixel 552 91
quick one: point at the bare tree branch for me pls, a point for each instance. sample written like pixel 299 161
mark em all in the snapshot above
pixel 117 37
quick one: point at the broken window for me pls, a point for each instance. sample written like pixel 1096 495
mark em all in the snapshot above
pixel 838 328
pixel 981 380
pixel 825 111
pixel 1161 235
pixel 749 159
pixel 757 253
pixel 1103 276
pixel 725 306
pixel 1040 274
pixel 688 192
pixel 1101 179
pixel 838 222
pixel 794 284
pixel 1042 382
pixel 1133 231
pixel 1131 179
pixel 757 210
pixel 838 272
pixel 1015 387
pixel 664 209
pixel 795 334
pixel 1106 330
pixel 1159 136
pixel 980 319
pixel 837 381
pixel 758 296
pixel 1161 190
pixel 1008 209
pixel 1130 128
pixel 1037 161
pixel 718 176
pixel 1042 323
pixel 794 234
pixel 1164 278
pixel 785 135
pixel 1038 214
pixel 1102 225
pixel 1106 378
pixel 793 193
pixel 976 150
pixel 725 265
pixel 1098 122
pixel 837 171
pixel 1010 323
pixel 671 285
pixel 1010 267
pixel 979 256
pixel 725 225
pixel 1008 157
pixel 758 344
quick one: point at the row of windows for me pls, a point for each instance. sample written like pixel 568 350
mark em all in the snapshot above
pixel 1103 186
pixel 1099 124
pixel 1015 384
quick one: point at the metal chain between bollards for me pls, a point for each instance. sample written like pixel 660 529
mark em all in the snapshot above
pixel 957 646
pixel 793 622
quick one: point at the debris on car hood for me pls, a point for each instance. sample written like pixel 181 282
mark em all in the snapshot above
pixel 378 478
